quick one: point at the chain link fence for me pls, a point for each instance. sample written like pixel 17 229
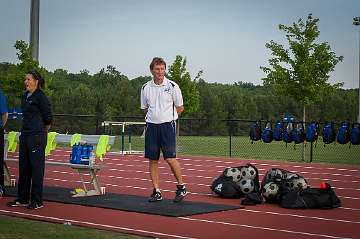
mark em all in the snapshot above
pixel 231 138
pixel 206 137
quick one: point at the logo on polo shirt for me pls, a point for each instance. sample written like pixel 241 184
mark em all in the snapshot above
pixel 167 90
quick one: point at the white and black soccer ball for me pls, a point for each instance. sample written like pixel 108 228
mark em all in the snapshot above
pixel 248 172
pixel 274 174
pixel 270 190
pixel 234 173
pixel 291 175
pixel 297 183
pixel 246 185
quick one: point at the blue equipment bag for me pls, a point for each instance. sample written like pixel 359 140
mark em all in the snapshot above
pixel 298 134
pixel 328 133
pixel 312 132
pixel 267 133
pixel 287 134
pixel 355 134
pixel 278 131
pixel 255 132
pixel 343 136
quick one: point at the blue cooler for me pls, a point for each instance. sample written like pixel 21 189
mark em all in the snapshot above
pixel 86 153
pixel 75 156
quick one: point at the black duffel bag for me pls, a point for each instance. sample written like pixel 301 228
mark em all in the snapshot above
pixel 321 198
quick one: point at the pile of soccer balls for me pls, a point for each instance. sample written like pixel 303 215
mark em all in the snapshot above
pixel 238 181
pixel 278 181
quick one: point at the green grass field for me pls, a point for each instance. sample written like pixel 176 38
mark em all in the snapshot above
pixel 241 147
pixel 18 228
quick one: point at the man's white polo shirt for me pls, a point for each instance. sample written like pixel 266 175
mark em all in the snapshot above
pixel 160 101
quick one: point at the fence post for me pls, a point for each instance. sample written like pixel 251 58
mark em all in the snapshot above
pixel 230 133
pixel 99 128
pixel 122 141
pixel 198 129
pixel 97 124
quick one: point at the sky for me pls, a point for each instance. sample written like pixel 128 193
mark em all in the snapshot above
pixel 226 39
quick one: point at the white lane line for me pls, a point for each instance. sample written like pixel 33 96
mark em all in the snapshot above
pixel 122 186
pixel 149 180
pixel 335 180
pixel 264 228
pixel 253 161
pixel 354 198
pixel 301 216
pixel 331 174
pixel 127 229
pixel 162 173
pixel 356 189
pixel 349 208
pixel 219 171
pixel 260 169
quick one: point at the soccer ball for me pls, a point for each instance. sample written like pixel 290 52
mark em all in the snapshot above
pixel 246 185
pixel 248 172
pixel 299 182
pixel 270 190
pixel 234 173
pixel 274 174
pixel 291 175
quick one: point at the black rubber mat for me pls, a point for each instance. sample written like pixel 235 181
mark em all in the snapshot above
pixel 131 203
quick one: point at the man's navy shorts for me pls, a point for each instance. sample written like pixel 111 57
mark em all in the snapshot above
pixel 160 136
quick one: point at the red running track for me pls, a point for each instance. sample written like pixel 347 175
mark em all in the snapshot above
pixel 128 174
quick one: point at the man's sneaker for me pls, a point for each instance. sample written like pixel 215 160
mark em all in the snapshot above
pixel 155 196
pixel 16 203
pixel 180 193
pixel 35 205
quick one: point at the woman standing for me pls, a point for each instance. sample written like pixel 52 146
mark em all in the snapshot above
pixel 37 118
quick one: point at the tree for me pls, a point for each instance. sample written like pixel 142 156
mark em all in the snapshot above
pixel 179 74
pixel 13 81
pixel 301 72
pixel 113 93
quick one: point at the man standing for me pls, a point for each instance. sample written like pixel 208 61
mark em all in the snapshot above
pixel 3 119
pixel 162 102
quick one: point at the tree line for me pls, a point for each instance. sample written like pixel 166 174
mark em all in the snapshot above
pixel 110 94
